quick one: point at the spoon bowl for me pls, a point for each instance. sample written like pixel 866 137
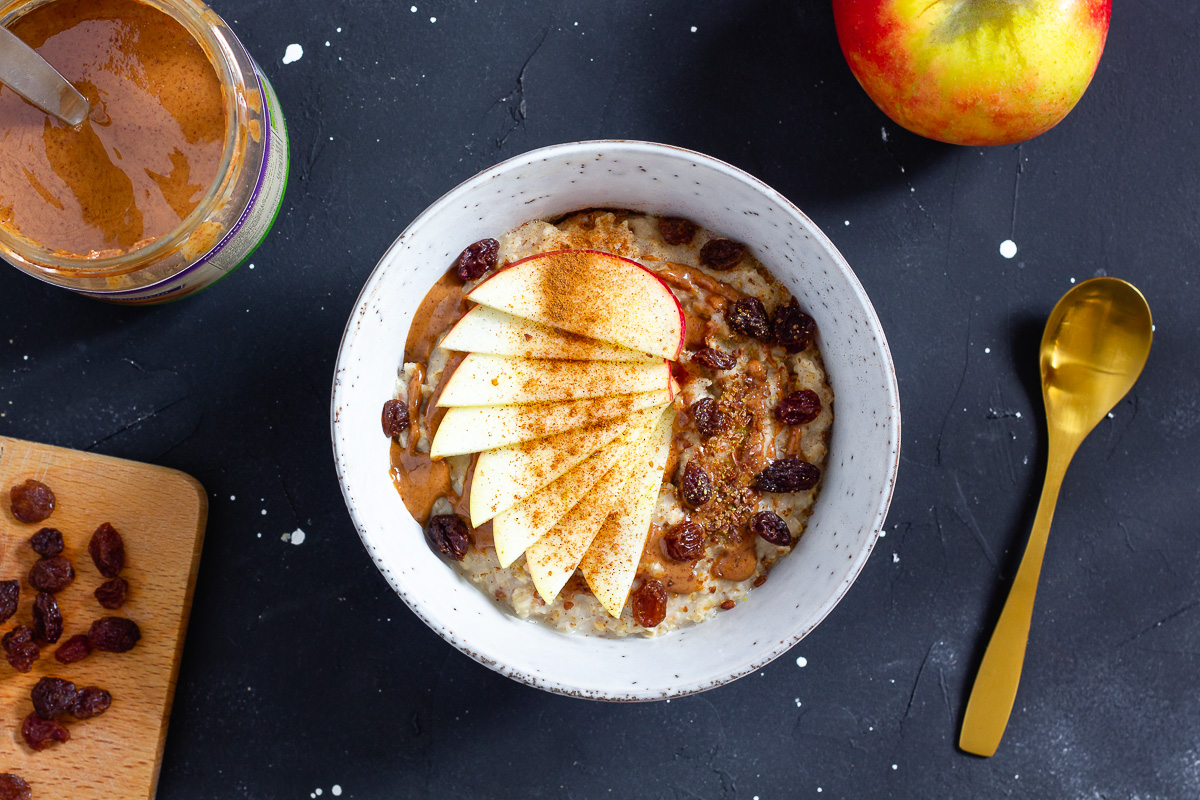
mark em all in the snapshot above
pixel 1095 345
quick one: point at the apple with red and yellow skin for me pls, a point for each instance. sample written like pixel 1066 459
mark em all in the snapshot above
pixel 974 72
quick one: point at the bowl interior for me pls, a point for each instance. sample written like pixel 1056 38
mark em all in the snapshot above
pixel 858 478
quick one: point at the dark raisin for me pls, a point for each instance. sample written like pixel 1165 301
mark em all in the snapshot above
pixel 728 605
pixel 477 259
pixel 684 542
pixel 14 788
pixel 47 542
pixel 650 603
pixel 798 408
pixel 770 527
pixel 10 594
pixel 20 649
pixel 41 733
pixel 722 254
pixel 794 330
pixel 47 619
pixel 107 550
pixel 31 501
pixel 74 649
pixel 676 230
pixel 707 416
pixel 111 594
pixel 787 475
pixel 114 634
pixel 715 359
pixel 395 418
pixel 696 488
pixel 51 574
pixel 748 317
pixel 53 697
pixel 448 535
pixel 91 702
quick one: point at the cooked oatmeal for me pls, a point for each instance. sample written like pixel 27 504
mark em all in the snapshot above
pixel 733 456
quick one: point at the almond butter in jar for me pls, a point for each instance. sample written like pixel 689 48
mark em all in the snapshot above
pixel 176 176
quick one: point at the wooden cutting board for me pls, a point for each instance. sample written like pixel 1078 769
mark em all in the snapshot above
pixel 160 513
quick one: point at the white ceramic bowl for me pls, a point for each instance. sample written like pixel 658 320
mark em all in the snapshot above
pixel 859 476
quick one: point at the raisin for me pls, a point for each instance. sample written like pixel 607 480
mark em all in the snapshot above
pixel 31 501
pixel 787 475
pixel 20 649
pixel 114 634
pixel 676 230
pixel 748 317
pixel 91 702
pixel 10 593
pixel 53 697
pixel 770 527
pixel 728 605
pixel 395 418
pixel 722 254
pixel 798 408
pixel 448 535
pixel 41 733
pixel 794 330
pixel 47 542
pixel 696 488
pixel 715 359
pixel 74 649
pixel 708 418
pixel 107 550
pixel 47 619
pixel 477 259
pixel 684 542
pixel 650 603
pixel 14 788
pixel 111 594
pixel 51 574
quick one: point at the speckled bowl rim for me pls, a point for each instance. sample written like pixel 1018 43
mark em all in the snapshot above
pixel 758 659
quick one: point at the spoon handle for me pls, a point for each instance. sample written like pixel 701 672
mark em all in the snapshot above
pixel 995 687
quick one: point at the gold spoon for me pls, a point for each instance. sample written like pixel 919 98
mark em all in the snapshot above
pixel 1093 350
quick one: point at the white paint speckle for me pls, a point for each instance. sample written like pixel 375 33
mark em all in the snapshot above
pixel 882 534
pixel 895 558
pixel 339 30
pixel 260 536
pixel 1110 415
pixel 233 497
pixel 797 702
pixel 883 132
pixel 327 43
pixel 693 29
pixel 336 790
pixel 847 223
pixel 432 19
pixel 413 9
pixel 1008 248
pixel 818 790
pixel 1018 415
pixel 319 792
pixel 297 536
pixel 895 766
pixel 1072 280
pixel 801 661
pixel 251 266
pixel 264 512
pixel 293 53
pixel 987 349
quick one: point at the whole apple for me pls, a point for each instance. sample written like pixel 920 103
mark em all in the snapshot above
pixel 974 72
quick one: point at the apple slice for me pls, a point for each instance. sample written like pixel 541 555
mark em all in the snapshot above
pixel 508 474
pixel 486 330
pixel 593 294
pixel 553 558
pixel 487 380
pixel 610 564
pixel 523 524
pixel 473 429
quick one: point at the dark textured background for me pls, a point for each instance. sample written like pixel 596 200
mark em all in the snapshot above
pixel 303 669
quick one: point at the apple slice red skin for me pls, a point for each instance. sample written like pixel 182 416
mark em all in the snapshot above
pixel 667 286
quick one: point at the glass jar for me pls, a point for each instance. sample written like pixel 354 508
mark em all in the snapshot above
pixel 230 221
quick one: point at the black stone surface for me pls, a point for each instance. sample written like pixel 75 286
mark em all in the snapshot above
pixel 304 670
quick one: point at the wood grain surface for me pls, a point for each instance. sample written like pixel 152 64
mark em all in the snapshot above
pixel 161 515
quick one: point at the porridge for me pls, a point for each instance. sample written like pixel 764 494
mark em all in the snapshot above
pixel 744 434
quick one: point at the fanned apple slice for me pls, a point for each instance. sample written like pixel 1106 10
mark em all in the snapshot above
pixel 487 380
pixel 473 429
pixel 486 330
pixel 523 524
pixel 553 558
pixel 610 564
pixel 509 474
pixel 593 294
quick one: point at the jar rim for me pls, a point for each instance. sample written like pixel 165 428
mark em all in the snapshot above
pixel 234 73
